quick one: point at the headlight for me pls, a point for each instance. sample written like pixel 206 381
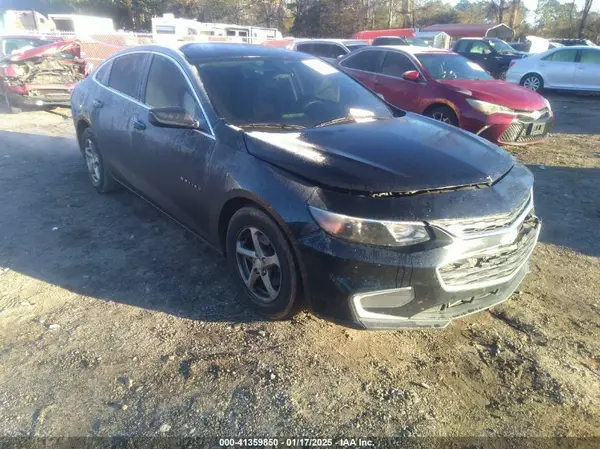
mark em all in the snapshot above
pixel 548 105
pixel 370 232
pixel 489 108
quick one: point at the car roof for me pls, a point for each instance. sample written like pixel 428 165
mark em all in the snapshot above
pixel 414 49
pixel 577 47
pixel 199 51
pixel 335 41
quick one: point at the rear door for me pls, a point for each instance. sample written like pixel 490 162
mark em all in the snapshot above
pixel 390 85
pixel 175 160
pixel 364 65
pixel 114 107
pixel 558 68
pixel 587 70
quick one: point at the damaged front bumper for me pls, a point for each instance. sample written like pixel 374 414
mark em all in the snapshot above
pixel 481 263
pixel 41 98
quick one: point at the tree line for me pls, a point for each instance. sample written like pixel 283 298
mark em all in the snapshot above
pixel 342 18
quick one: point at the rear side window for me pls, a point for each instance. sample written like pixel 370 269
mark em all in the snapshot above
pixel 590 56
pixel 461 46
pixel 395 64
pixel 327 50
pixel 126 74
pixel 367 61
pixel 103 73
pixel 167 86
pixel 567 55
pixel 305 48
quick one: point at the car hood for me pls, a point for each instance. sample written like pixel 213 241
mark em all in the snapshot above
pixel 500 92
pixel 403 155
pixel 51 49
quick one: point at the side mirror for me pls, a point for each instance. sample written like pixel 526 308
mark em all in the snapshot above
pixel 172 117
pixel 411 75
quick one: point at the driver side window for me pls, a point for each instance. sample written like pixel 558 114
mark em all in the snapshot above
pixel 167 86
pixel 395 64
pixel 480 48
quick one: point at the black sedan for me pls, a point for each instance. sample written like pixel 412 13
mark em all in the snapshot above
pixel 311 185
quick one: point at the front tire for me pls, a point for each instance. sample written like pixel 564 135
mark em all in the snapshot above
pixel 443 114
pixel 262 263
pixel 99 174
pixel 11 109
pixel 533 81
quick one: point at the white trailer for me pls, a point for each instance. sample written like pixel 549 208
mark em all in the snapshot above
pixel 169 29
pixel 81 25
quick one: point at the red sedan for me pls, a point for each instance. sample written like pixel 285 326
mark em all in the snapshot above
pixel 447 87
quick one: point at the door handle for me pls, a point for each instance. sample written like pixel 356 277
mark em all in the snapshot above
pixel 138 124
pixel 97 104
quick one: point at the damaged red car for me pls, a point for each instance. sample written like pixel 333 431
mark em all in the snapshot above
pixel 39 72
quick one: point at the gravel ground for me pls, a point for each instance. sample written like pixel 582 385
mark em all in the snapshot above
pixel 114 321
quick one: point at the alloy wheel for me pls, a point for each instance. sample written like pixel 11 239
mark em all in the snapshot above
pixel 532 83
pixel 258 264
pixel 440 116
pixel 92 161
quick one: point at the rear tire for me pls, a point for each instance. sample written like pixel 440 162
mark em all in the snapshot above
pixel 99 174
pixel 262 263
pixel 443 114
pixel 533 81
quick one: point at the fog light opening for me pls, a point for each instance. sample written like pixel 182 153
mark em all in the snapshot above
pixel 373 305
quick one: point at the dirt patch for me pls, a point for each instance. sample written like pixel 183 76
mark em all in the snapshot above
pixel 113 321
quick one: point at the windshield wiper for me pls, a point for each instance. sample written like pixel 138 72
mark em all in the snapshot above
pixel 272 125
pixel 335 121
pixel 347 119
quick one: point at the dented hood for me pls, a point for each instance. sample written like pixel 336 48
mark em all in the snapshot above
pixel 51 49
pixel 401 155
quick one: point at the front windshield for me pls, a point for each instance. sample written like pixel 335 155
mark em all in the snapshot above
pixel 500 46
pixel 447 66
pixel 286 92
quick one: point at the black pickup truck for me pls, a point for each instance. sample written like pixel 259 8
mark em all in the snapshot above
pixel 494 55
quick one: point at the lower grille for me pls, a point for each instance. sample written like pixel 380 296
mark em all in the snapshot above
pixel 512 133
pixel 517 133
pixel 50 92
pixel 492 266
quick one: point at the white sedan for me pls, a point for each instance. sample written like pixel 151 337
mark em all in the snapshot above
pixel 565 68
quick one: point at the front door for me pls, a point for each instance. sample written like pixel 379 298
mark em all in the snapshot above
pixel 481 53
pixel 176 160
pixel 390 85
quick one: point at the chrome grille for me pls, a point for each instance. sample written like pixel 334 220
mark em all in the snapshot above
pixel 533 116
pixel 492 266
pixel 484 224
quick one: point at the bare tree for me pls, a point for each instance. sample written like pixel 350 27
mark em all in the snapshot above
pixel 584 16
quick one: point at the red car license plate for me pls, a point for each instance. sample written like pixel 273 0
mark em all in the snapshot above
pixel 537 129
